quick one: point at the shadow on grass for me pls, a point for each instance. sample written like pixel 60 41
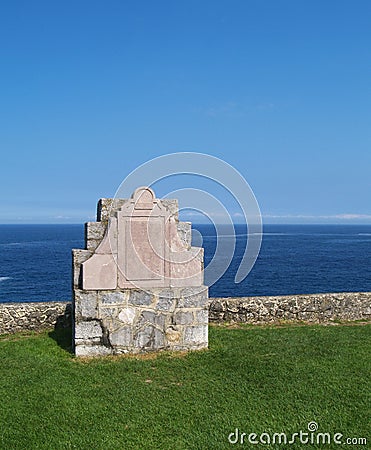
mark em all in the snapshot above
pixel 63 337
pixel 62 333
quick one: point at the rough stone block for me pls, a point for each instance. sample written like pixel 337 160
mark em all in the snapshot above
pixel 172 206
pixel 161 320
pixel 123 337
pixel 166 301
pixel 107 207
pixel 185 233
pixel 107 312
pixel 147 317
pixel 140 298
pixel 196 335
pixel 184 318
pixel 86 330
pixel 86 304
pixel 152 318
pixel 94 230
pixel 113 298
pixel 92 350
pixel 202 316
pixel 78 257
pixel 193 297
pixel 159 340
pixel 146 337
pixel 127 315
pixel 173 335
pixel 92 244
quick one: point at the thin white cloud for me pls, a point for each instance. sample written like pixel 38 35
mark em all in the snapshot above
pixel 353 216
pixel 344 216
pixel 62 217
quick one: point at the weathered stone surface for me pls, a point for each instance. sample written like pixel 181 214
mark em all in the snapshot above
pixel 108 245
pixel 78 257
pixel 92 244
pixel 166 301
pixel 127 315
pixel 193 297
pixel 92 350
pixel 107 207
pixel 86 304
pixel 173 335
pixel 107 312
pixel 172 206
pixel 142 260
pixel 186 268
pixel 316 308
pixel 202 316
pixel 123 337
pixel 184 318
pixel 147 317
pixel 94 230
pixel 196 335
pixel 113 297
pixel 140 298
pixel 35 316
pixel 86 330
pixel 149 338
pixel 159 340
pixel 185 233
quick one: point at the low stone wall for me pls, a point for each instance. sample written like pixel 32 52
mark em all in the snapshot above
pixel 15 317
pixel 314 308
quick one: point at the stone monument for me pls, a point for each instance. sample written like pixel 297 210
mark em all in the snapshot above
pixel 138 284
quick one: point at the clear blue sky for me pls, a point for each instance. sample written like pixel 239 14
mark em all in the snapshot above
pixel 279 89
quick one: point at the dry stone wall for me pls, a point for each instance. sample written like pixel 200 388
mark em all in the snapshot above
pixel 314 308
pixel 37 316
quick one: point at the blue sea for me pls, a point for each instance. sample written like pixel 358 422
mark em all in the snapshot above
pixel 35 261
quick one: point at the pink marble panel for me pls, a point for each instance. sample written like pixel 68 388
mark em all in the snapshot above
pixel 144 257
pixel 99 272
pixel 186 267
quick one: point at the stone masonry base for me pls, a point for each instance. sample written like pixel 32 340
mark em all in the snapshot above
pixel 133 321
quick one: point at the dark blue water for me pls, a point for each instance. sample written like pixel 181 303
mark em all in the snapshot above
pixel 300 259
pixel 35 261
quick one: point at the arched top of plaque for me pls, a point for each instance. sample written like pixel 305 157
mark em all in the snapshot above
pixel 144 198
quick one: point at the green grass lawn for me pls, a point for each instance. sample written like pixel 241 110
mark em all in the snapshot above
pixel 256 379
